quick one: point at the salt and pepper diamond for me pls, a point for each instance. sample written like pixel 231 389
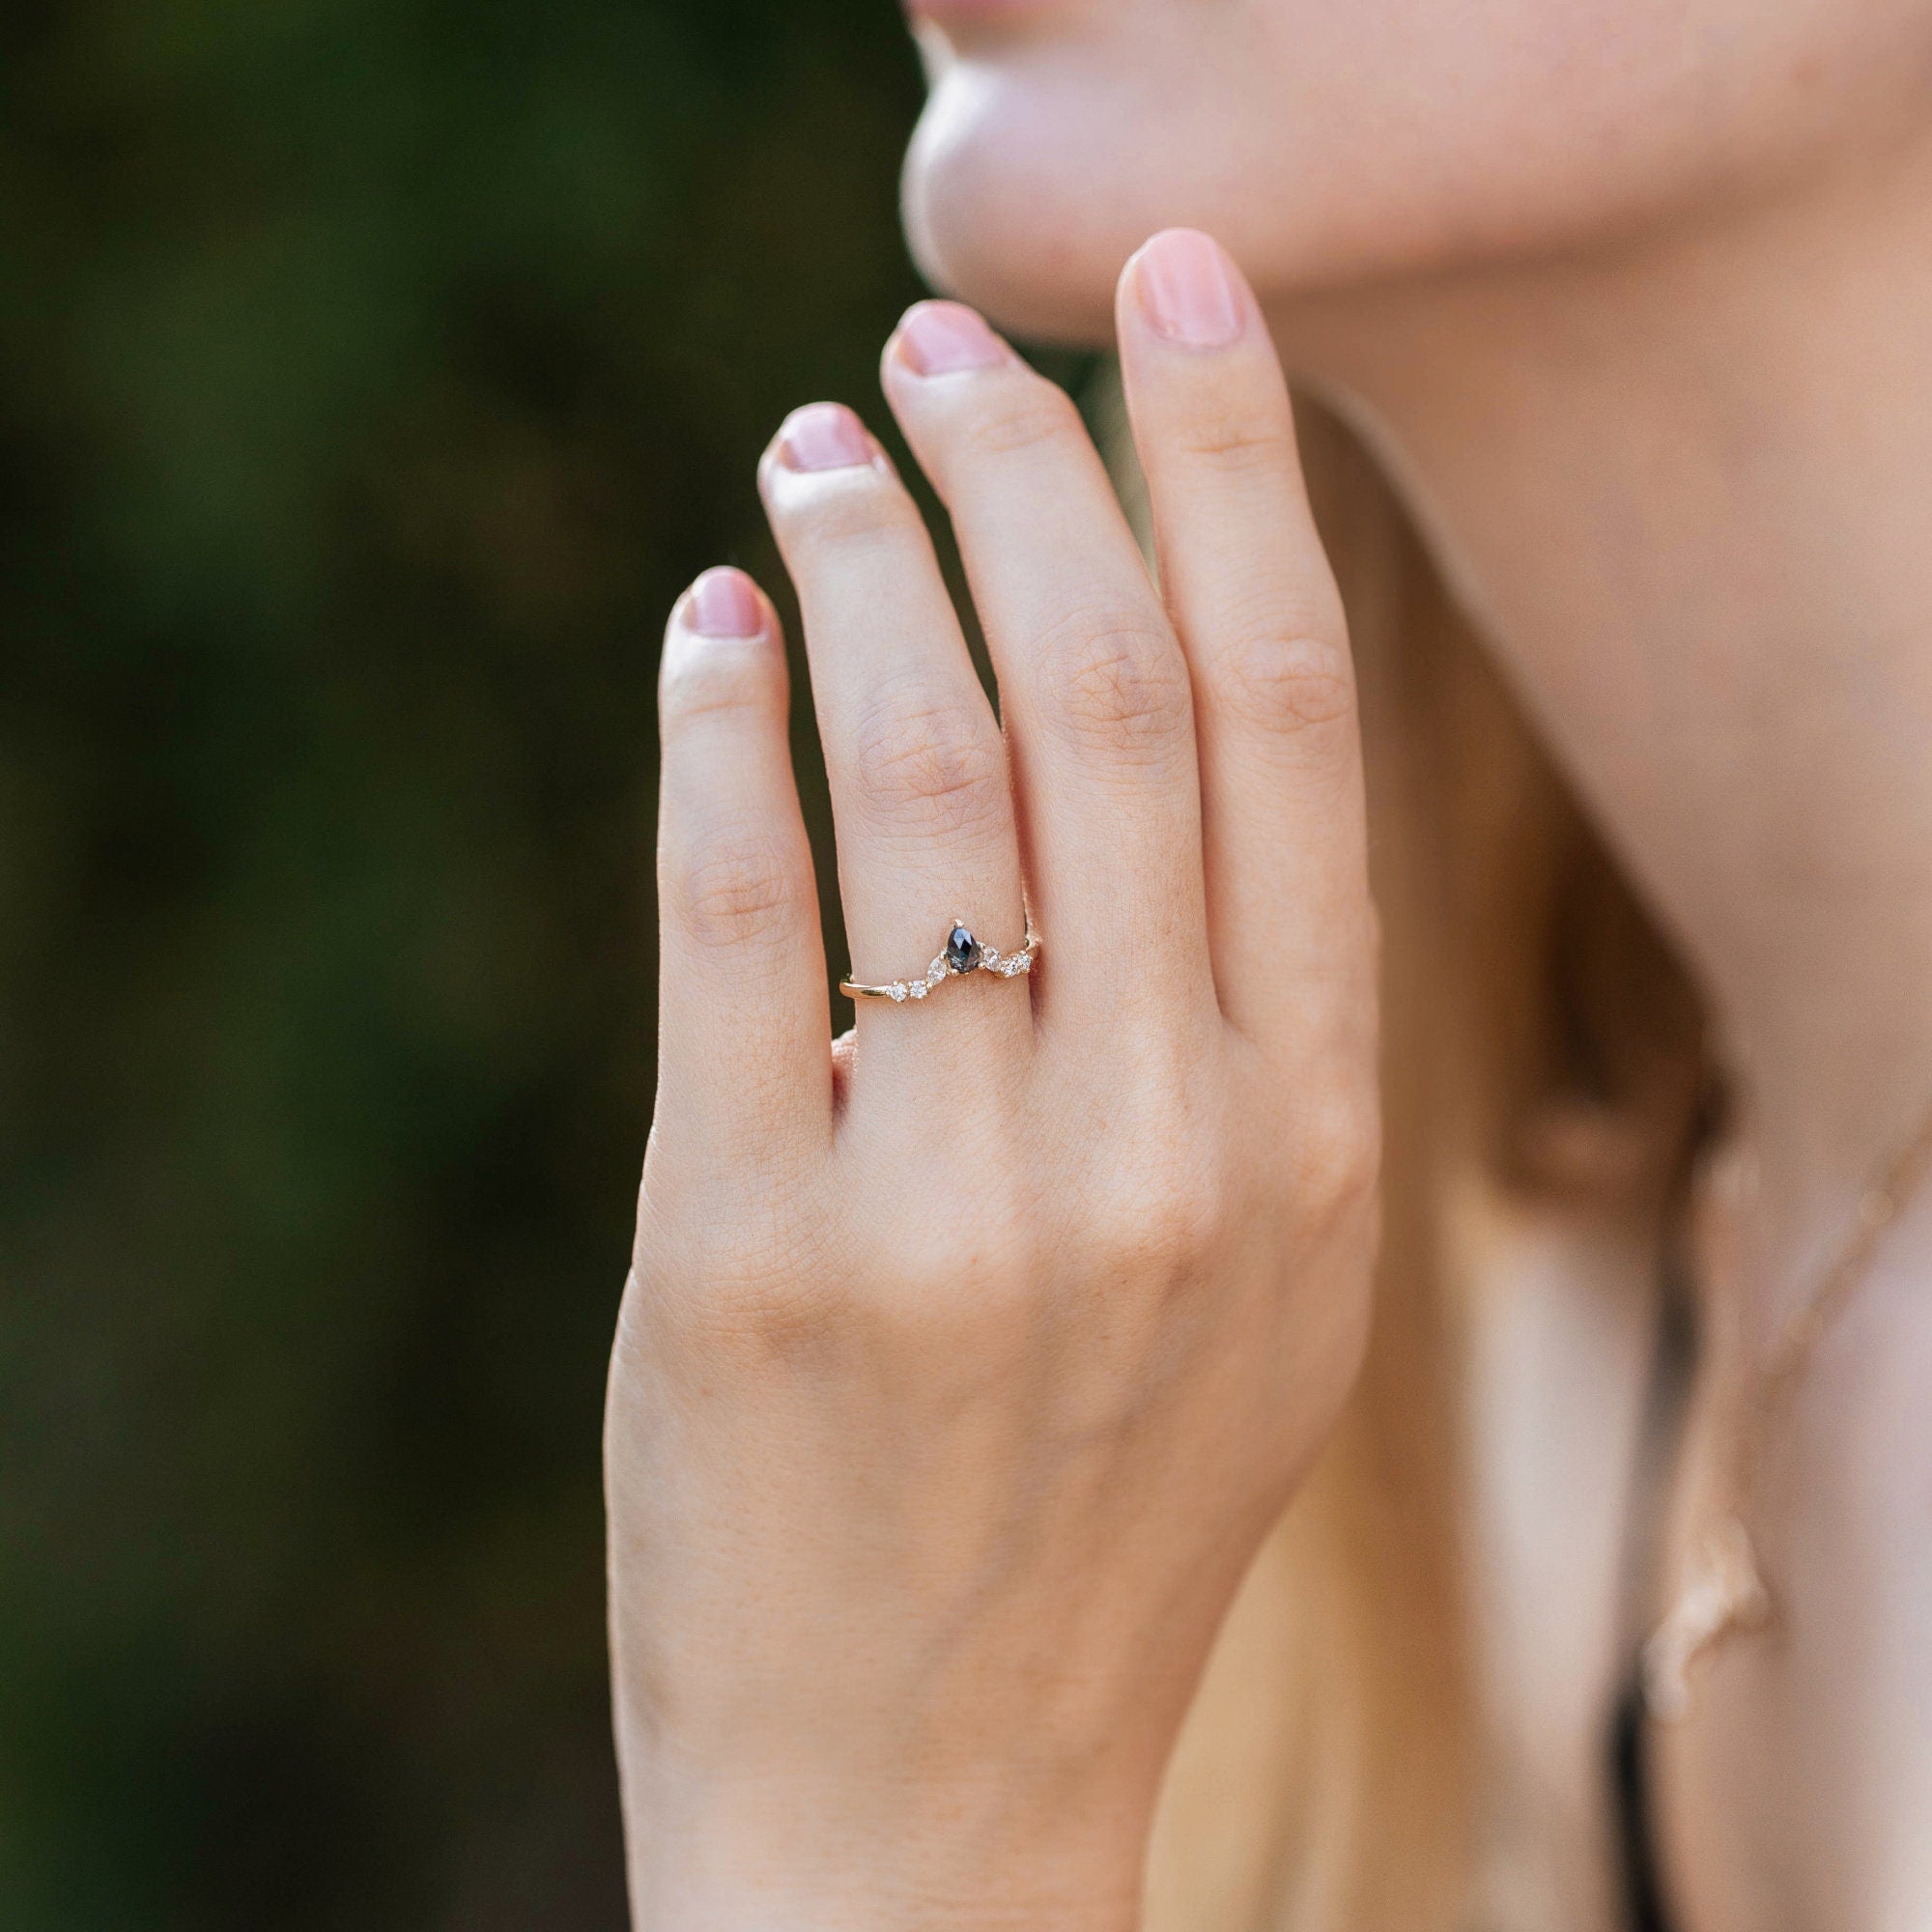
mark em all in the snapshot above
pixel 963 955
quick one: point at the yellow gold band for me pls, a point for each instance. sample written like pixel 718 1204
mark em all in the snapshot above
pixel 961 955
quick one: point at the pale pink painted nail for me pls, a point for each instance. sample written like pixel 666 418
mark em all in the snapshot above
pixel 825 436
pixel 944 339
pixel 725 605
pixel 1188 292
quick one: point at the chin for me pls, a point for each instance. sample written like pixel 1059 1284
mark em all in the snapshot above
pixel 1009 221
pixel 1043 159
pixel 1030 181
pixel 1054 141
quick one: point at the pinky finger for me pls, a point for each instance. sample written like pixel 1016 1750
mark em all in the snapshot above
pixel 744 1037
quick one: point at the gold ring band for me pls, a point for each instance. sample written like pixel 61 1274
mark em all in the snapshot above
pixel 961 955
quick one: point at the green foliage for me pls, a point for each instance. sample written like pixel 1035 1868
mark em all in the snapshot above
pixel 372 377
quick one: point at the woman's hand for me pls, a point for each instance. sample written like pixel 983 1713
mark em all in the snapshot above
pixel 966 1362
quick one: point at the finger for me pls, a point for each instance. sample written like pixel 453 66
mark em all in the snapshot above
pixel 744 1048
pixel 914 756
pixel 1093 683
pixel 1256 605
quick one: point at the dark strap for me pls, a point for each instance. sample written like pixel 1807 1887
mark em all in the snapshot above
pixel 1644 1896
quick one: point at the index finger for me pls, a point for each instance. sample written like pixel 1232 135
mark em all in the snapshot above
pixel 1250 593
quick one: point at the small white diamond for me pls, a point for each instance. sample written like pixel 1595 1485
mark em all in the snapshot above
pixel 897 989
pixel 936 972
pixel 919 989
pixel 989 955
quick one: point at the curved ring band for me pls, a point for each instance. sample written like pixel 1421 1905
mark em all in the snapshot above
pixel 961 955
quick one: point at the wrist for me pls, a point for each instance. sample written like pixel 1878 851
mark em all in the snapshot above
pixel 795 1855
pixel 862 1901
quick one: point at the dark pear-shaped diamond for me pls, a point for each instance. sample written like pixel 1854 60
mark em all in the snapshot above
pixel 962 950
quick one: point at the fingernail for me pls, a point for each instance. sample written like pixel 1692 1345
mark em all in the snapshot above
pixel 942 339
pixel 1187 291
pixel 826 436
pixel 725 605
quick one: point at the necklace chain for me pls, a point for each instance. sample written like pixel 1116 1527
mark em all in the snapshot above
pixel 1724 1592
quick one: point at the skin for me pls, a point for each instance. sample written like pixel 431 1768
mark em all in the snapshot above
pixel 965 1364
pixel 934 1457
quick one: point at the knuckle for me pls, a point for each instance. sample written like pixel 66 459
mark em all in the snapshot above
pixel 1337 1149
pixel 1234 437
pixel 759 1313
pixel 1163 1225
pixel 720 677
pixel 927 762
pixel 1030 414
pixel 847 509
pixel 716 1274
pixel 970 1286
pixel 1162 1205
pixel 1118 682
pixel 1287 681
pixel 732 887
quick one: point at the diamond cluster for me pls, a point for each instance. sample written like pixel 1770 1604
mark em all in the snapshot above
pixel 963 955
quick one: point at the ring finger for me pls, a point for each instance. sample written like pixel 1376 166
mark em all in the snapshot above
pixel 918 771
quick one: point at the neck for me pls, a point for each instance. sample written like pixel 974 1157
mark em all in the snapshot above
pixel 1687 491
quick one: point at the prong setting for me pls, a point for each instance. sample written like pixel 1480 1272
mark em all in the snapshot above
pixel 962 956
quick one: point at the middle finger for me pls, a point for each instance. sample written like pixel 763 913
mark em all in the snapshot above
pixel 1093 683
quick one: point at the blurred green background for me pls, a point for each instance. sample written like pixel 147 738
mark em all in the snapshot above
pixel 373 374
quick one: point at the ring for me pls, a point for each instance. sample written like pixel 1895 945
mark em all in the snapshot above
pixel 962 954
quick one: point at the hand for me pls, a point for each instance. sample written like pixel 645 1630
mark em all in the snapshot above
pixel 966 1361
